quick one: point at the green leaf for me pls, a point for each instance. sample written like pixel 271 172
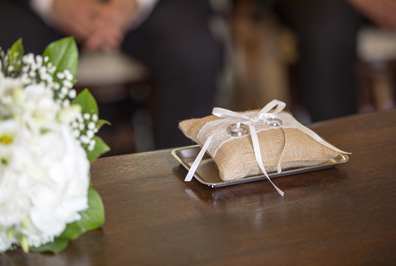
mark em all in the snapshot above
pixel 55 247
pixel 100 148
pixel 100 123
pixel 63 54
pixel 87 102
pixel 16 52
pixel 92 218
pixel 72 231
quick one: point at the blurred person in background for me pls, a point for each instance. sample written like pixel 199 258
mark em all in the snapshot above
pixel 381 12
pixel 171 37
pixel 326 34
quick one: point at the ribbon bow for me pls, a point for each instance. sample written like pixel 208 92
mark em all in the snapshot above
pixel 274 118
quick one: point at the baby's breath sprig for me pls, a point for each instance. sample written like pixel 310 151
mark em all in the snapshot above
pixel 64 88
pixel 11 60
pixel 4 61
pixel 10 63
pixel 84 129
pixel 35 69
pixel 38 70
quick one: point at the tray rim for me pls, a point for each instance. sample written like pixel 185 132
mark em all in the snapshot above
pixel 324 165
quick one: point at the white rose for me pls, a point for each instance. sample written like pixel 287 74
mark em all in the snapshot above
pixel 44 184
pixel 39 110
pixel 68 170
pixel 69 114
pixel 7 87
pixel 11 138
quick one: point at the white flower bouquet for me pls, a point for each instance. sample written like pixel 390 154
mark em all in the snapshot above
pixel 47 142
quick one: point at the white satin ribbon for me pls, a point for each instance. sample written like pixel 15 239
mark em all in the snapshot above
pixel 260 117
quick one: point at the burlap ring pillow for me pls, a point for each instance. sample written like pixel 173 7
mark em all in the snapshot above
pixel 235 157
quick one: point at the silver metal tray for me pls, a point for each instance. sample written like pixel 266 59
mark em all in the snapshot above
pixel 208 174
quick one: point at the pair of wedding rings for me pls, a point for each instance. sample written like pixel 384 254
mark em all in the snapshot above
pixel 240 129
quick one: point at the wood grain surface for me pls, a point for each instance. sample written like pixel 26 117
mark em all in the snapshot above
pixel 339 216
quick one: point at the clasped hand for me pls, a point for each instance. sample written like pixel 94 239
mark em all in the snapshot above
pixel 96 24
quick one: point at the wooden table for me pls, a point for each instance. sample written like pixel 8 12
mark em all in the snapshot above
pixel 339 216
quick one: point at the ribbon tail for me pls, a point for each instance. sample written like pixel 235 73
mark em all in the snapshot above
pixel 257 153
pixel 279 165
pixel 198 160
